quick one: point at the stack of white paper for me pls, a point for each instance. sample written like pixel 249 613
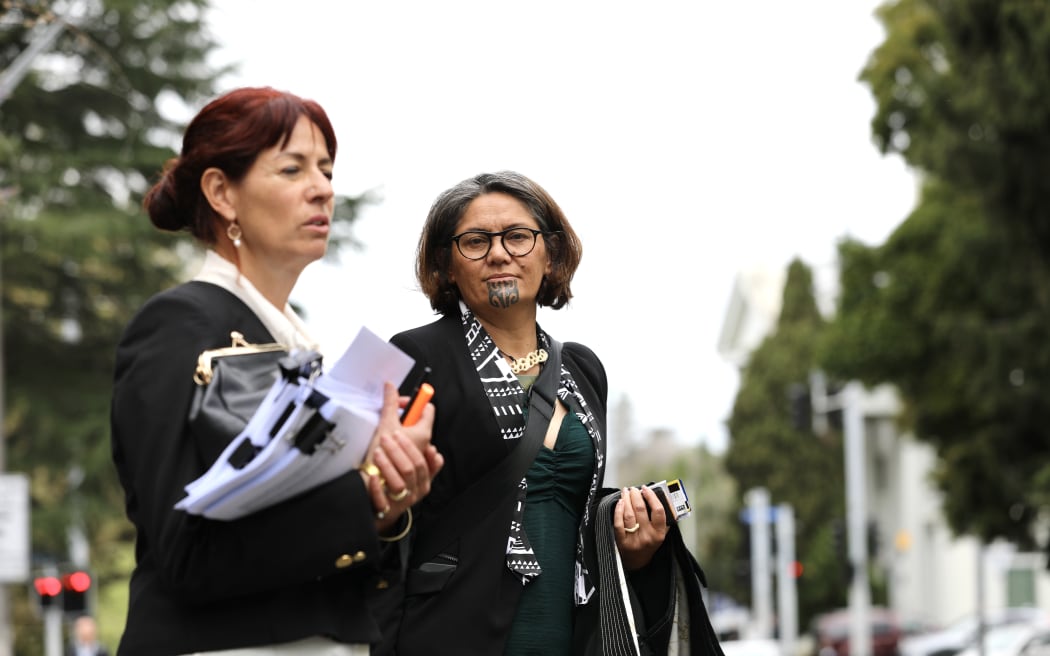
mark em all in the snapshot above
pixel 305 433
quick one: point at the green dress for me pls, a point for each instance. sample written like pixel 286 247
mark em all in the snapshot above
pixel 558 482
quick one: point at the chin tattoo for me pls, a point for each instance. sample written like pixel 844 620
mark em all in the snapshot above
pixel 503 294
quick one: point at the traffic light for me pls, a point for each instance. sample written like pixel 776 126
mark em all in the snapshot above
pixel 838 533
pixel 75 588
pixel 841 542
pixel 874 540
pixel 801 407
pixel 797 569
pixel 48 589
pixel 742 564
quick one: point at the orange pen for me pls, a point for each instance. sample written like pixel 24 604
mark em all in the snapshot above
pixel 416 405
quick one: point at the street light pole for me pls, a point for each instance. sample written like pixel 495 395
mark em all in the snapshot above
pixel 761 584
pixel 849 401
pixel 856 521
pixel 787 592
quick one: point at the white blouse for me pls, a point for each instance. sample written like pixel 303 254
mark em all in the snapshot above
pixel 285 326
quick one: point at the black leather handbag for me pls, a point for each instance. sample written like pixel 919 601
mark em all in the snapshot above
pixel 231 384
pixel 616 625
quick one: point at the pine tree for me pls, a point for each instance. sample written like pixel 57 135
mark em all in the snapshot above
pixel 767 450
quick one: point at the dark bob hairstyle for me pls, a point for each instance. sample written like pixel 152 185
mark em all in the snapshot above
pixel 228 134
pixel 434 253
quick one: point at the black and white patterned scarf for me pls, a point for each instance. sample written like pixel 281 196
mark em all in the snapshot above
pixel 509 402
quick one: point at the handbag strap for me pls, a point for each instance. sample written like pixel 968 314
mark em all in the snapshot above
pixel 617 632
pixel 485 494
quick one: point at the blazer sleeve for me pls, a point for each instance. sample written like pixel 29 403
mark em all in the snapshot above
pixel 156 455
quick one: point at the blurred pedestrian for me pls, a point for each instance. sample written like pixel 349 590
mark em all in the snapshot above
pixel 84 638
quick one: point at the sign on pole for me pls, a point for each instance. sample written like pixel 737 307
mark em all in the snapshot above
pixel 14 528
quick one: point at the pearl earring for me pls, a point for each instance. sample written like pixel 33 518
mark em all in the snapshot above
pixel 233 231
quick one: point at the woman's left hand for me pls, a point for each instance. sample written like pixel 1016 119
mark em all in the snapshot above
pixel 402 462
pixel 639 532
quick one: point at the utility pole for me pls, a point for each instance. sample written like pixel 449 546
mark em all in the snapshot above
pixel 849 400
pixel 857 522
pixel 761 589
pixel 787 592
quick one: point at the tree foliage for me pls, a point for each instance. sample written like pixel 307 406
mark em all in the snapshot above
pixel 961 89
pixel 767 450
pixel 945 310
pixel 84 136
pixel 952 308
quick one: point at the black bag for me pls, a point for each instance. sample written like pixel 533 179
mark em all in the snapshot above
pixel 607 630
pixel 231 384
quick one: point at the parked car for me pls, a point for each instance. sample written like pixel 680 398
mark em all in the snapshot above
pixel 831 632
pixel 1010 639
pixel 730 621
pixel 751 647
pixel 1039 645
pixel 963 632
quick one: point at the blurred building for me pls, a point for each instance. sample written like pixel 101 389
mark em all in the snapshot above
pixel 932 575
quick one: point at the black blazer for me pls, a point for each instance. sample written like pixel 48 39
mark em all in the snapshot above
pixel 298 569
pixel 471 611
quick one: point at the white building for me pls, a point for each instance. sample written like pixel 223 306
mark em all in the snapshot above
pixel 932 576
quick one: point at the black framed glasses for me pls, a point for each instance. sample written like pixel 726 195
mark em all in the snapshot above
pixel 475 244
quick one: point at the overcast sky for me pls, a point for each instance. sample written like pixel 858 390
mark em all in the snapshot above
pixel 686 141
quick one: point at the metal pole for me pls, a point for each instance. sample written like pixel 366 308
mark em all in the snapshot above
pixel 856 522
pixel 14 73
pixel 53 632
pixel 787 594
pixel 7 634
pixel 981 647
pixel 761 588
pixel 53 621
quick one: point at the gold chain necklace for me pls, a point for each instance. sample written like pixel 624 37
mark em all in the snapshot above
pixel 531 359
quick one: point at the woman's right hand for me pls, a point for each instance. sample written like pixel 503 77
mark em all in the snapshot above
pixel 403 460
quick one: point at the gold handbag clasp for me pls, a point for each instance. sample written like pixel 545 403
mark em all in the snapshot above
pixel 239 346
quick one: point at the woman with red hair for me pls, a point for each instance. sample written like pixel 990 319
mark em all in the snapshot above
pixel 253 185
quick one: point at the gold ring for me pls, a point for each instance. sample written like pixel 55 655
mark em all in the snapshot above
pixel 371 469
pixel 382 513
pixel 632 529
pixel 399 495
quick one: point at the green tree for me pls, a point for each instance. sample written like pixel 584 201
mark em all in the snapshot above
pixel 945 310
pixel 81 139
pixel 952 308
pixel 767 450
pixel 961 89
pixel 83 136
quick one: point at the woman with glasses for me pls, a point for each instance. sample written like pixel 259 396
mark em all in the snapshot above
pixel 506 565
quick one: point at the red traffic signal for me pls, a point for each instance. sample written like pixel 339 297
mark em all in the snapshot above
pixel 75 586
pixel 47 589
pixel 77 581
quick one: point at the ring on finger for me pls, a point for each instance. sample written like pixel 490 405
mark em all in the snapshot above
pixel 373 472
pixel 632 529
pixel 381 515
pixel 398 496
